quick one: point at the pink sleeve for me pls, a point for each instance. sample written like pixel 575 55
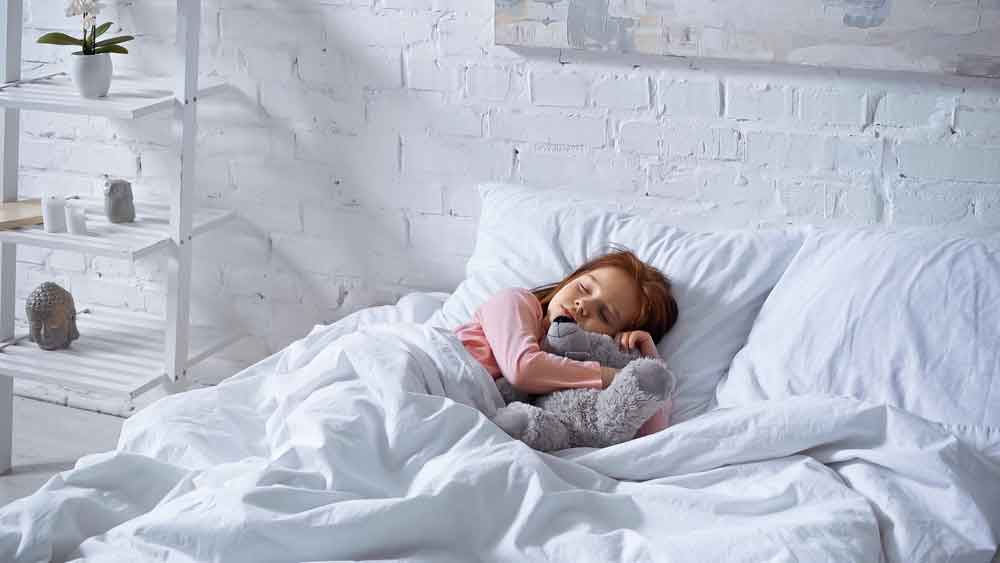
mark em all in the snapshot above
pixel 512 321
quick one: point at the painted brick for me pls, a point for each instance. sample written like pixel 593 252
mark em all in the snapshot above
pixel 328 66
pixel 427 154
pixel 581 169
pixel 283 26
pixel 547 128
pixel 245 281
pixel 921 209
pixel 857 154
pixel 899 109
pixel 109 267
pixel 425 71
pixel 564 89
pixel 675 180
pixel 443 234
pixel 231 246
pixel 344 159
pixel 379 29
pixel 36 183
pixel 284 288
pixel 622 93
pixel 684 98
pixel 833 107
pixel 68 261
pixel 263 181
pixel 274 62
pixel 305 107
pixel 460 198
pixel 376 232
pixel 942 202
pixel 640 136
pixel 233 139
pixel 431 272
pixel 980 123
pixel 758 101
pixel 412 191
pixel 109 293
pixel 272 217
pixel 90 158
pixel 702 142
pixel 949 162
pixel 407 111
pixel 313 254
pixel 34 255
pixel 489 83
pixel 827 202
pixel 795 150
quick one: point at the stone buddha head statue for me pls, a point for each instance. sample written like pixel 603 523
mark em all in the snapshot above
pixel 52 317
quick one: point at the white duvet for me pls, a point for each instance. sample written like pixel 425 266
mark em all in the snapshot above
pixel 362 443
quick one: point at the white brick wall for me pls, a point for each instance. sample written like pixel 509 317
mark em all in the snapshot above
pixel 356 130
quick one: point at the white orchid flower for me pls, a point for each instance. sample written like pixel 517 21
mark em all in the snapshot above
pixel 81 7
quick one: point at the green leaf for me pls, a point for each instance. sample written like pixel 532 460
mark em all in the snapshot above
pixel 57 38
pixel 111 49
pixel 114 41
pixel 102 28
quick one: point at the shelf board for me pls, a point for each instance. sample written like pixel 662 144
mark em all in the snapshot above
pixel 118 356
pixel 131 97
pixel 128 241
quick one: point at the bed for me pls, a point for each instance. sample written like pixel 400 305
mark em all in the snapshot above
pixel 837 401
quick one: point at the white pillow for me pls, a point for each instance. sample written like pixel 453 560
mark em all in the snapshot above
pixel 528 238
pixel 910 319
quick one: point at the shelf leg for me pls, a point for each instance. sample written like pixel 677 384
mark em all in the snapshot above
pixel 10 121
pixel 6 421
pixel 10 130
pixel 182 194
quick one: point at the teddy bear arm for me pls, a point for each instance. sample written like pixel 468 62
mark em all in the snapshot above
pixel 636 393
pixel 539 429
pixel 605 351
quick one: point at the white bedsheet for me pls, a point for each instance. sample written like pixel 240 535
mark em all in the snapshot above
pixel 362 443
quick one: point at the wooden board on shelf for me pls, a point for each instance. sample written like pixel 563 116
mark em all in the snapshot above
pixel 118 358
pixel 23 213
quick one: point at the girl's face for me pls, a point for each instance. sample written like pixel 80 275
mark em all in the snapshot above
pixel 604 300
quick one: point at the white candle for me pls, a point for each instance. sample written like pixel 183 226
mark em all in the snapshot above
pixel 54 214
pixel 76 220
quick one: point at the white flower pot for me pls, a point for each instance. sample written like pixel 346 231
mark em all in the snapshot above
pixel 91 74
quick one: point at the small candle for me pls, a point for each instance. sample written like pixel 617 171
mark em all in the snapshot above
pixel 76 220
pixel 54 214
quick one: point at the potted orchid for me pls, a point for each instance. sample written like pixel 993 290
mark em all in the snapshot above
pixel 90 67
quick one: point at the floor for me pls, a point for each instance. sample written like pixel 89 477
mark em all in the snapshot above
pixel 49 438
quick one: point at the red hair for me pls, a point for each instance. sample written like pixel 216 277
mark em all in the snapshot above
pixel 657 306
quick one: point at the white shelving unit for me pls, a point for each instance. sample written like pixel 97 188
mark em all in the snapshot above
pixel 119 354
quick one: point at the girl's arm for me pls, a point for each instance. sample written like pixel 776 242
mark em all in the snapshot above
pixel 512 321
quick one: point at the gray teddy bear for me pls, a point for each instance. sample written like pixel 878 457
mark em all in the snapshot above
pixel 587 417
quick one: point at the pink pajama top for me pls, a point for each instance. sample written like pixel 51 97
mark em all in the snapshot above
pixel 504 336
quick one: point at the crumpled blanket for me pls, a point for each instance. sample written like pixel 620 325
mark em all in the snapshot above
pixel 374 443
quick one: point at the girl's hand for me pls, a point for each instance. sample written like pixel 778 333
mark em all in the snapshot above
pixel 607 376
pixel 638 339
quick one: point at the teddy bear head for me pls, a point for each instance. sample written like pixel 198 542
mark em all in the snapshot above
pixel 567 339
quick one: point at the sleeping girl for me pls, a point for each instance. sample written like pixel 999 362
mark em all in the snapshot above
pixel 615 294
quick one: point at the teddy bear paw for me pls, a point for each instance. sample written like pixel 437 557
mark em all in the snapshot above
pixel 653 378
pixel 514 419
